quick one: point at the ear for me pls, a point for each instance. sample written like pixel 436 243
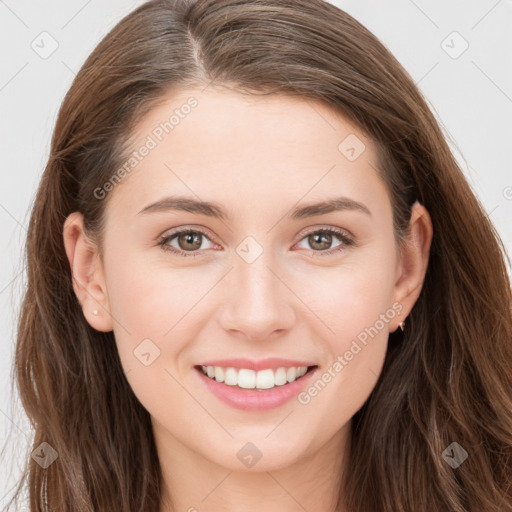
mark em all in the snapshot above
pixel 413 262
pixel 87 274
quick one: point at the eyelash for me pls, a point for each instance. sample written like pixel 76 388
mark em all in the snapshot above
pixel 347 241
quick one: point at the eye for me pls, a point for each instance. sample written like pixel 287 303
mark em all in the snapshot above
pixel 189 242
pixel 321 239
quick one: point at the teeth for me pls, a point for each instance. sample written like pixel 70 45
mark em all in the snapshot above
pixel 219 374
pixel 291 374
pixel 250 379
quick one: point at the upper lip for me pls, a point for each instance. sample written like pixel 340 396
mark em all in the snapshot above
pixel 269 363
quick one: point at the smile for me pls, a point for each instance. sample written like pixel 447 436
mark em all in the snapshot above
pixel 255 389
pixel 250 379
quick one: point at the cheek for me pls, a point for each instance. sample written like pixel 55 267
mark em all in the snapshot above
pixel 147 305
pixel 357 312
pixel 351 298
pixel 354 304
pixel 144 304
pixel 157 311
pixel 149 298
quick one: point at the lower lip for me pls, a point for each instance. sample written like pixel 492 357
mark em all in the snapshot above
pixel 252 400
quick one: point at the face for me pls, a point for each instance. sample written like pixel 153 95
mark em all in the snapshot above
pixel 259 280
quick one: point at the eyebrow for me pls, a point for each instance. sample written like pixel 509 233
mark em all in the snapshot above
pixel 215 210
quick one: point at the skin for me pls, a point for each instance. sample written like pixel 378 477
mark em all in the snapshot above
pixel 259 158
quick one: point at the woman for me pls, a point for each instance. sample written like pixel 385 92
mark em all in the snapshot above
pixel 340 340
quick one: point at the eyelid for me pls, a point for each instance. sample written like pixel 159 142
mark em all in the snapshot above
pixel 321 227
pixel 176 231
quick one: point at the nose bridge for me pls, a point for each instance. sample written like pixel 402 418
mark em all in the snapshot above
pixel 258 285
pixel 257 302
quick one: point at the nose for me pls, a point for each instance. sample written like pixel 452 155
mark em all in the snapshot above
pixel 258 302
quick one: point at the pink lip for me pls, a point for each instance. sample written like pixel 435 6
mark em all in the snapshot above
pixel 252 400
pixel 271 363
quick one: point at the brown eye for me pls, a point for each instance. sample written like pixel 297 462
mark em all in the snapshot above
pixel 184 243
pixel 190 241
pixel 320 241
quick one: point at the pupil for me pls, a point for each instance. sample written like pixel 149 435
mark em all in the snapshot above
pixel 189 239
pixel 318 237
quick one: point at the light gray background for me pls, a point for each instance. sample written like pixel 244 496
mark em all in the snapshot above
pixel 471 95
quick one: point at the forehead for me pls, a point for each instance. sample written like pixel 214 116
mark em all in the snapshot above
pixel 221 143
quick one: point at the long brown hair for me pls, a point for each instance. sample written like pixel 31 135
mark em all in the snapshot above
pixel 447 379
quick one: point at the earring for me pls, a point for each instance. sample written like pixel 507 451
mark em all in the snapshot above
pixel 94 311
pixel 402 326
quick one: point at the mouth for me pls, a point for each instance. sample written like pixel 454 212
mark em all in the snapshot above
pixel 255 380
